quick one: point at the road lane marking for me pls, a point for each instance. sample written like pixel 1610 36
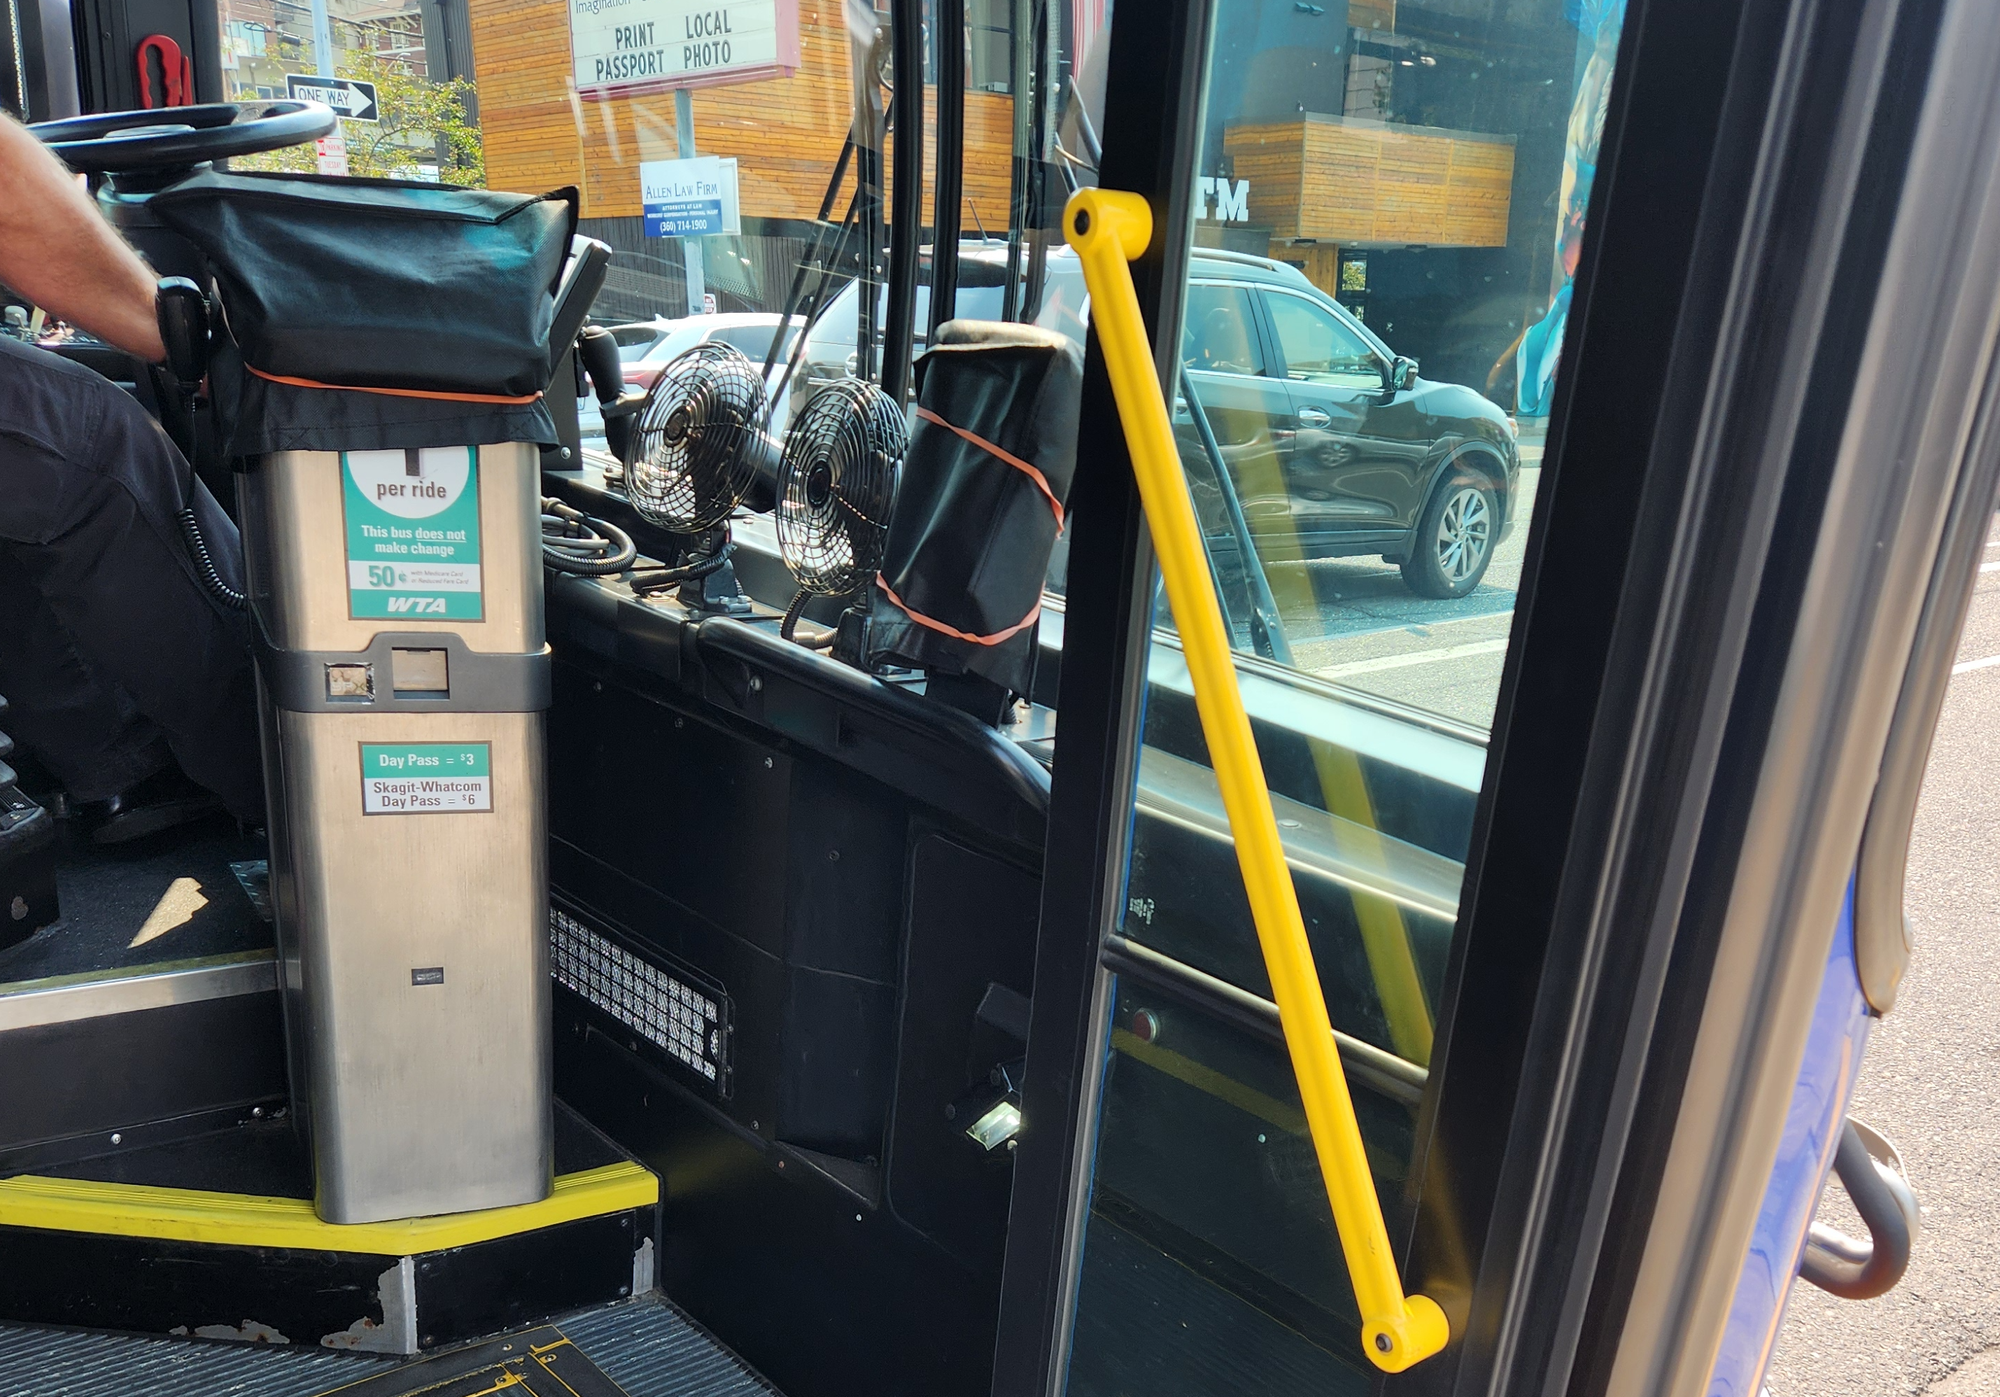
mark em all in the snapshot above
pixel 1418 630
pixel 1970 665
pixel 1427 657
pixel 1992 566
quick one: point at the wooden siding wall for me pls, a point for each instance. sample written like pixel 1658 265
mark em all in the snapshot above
pixel 1362 183
pixel 785 132
pixel 1321 263
pixel 1372 14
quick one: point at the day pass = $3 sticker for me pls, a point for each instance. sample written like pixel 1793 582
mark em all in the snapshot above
pixel 426 778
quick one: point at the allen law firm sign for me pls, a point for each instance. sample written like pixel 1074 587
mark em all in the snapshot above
pixel 694 198
pixel 627 47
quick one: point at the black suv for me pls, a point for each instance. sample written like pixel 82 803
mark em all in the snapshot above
pixel 1332 443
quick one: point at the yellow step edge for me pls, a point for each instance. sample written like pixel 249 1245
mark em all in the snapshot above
pixel 249 1220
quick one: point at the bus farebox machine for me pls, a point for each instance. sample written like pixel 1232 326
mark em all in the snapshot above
pixel 390 511
pixel 398 593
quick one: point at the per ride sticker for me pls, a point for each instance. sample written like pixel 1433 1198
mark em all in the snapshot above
pixel 412 534
pixel 426 778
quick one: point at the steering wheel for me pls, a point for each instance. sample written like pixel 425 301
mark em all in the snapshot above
pixel 176 138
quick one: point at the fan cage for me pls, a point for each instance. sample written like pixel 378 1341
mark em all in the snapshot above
pixel 838 485
pixel 695 452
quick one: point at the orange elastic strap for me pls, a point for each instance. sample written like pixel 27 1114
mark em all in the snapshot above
pixel 932 624
pixel 395 392
pixel 1041 481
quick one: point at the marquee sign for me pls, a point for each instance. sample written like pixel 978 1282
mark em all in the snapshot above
pixel 631 47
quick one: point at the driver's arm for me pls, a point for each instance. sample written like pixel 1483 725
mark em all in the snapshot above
pixel 57 250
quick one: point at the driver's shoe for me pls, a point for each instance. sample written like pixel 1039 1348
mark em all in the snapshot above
pixel 163 801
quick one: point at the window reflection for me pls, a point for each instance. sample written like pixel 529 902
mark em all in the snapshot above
pixel 1220 335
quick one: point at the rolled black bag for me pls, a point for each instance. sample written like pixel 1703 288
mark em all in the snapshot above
pixel 981 503
pixel 376 313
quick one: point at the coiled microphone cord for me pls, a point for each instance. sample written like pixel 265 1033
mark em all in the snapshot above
pixel 204 564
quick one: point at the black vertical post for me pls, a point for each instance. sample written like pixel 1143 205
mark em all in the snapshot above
pixel 1152 126
pixel 205 51
pixel 1041 106
pixel 1020 69
pixel 868 137
pixel 950 182
pixel 906 232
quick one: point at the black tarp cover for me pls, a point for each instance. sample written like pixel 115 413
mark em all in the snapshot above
pixel 351 285
pixel 980 505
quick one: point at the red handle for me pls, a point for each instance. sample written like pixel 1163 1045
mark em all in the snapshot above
pixel 176 72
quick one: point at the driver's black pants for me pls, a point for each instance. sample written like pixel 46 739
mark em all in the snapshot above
pixel 114 659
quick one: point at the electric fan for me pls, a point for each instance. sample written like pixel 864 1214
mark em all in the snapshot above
pixel 700 451
pixel 836 487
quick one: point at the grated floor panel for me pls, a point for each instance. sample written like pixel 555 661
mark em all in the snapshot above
pixel 647 1346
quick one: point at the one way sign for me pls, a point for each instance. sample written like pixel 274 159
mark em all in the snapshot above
pixel 353 100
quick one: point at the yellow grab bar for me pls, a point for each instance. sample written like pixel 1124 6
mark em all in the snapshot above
pixel 1108 229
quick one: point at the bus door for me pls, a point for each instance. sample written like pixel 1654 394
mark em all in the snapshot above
pixel 1572 849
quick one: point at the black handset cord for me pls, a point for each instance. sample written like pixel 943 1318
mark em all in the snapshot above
pixel 197 546
pixel 184 315
pixel 204 561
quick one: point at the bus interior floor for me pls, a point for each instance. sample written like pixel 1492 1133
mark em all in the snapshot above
pixel 175 898
pixel 641 1348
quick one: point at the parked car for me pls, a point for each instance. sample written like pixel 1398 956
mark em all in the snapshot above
pixel 1333 444
pixel 636 338
pixel 830 352
pixel 646 348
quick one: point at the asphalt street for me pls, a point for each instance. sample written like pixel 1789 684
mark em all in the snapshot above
pixel 1351 620
pixel 1931 1082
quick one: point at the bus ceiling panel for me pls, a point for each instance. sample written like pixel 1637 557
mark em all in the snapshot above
pixel 1868 506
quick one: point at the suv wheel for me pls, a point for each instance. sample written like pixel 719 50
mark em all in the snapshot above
pixel 1454 539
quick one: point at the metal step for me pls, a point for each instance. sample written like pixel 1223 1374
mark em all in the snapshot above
pixel 646 1346
pixel 63 1363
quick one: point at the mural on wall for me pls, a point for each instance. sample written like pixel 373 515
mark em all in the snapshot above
pixel 1598 24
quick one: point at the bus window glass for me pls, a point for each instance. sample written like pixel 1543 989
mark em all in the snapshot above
pixel 717 165
pixel 1388 198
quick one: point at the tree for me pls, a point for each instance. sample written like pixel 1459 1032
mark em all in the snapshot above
pixel 422 123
